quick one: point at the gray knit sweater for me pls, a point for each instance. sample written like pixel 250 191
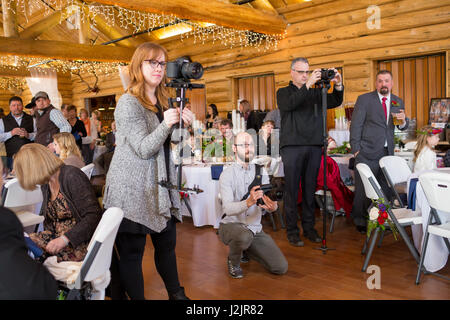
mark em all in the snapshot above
pixel 138 165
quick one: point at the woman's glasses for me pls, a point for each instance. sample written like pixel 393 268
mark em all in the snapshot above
pixel 155 63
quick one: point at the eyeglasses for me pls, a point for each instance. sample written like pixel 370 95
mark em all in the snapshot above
pixel 154 63
pixel 300 72
pixel 244 145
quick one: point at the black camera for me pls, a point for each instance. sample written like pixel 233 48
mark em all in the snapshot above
pixel 327 74
pixel 182 68
pixel 274 190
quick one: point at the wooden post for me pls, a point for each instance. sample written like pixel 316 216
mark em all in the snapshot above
pixel 10 19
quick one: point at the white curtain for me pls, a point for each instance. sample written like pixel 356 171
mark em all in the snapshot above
pixel 45 80
pixel 124 76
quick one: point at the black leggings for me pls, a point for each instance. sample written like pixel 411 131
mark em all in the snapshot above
pixel 130 248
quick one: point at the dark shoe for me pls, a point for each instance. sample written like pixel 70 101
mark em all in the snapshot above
pixel 244 257
pixel 295 241
pixel 361 229
pixel 312 236
pixel 179 295
pixel 235 271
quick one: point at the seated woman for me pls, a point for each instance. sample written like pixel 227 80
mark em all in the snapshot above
pixel 212 117
pixel 264 138
pixel 424 156
pixel 342 196
pixel 67 149
pixel 69 205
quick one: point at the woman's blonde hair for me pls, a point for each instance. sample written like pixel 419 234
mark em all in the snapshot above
pixel 67 145
pixel 422 136
pixel 34 165
pixel 145 51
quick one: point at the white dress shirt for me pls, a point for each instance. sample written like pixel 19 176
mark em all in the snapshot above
pixel 8 135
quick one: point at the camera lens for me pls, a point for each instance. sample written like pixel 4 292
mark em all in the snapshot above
pixel 192 70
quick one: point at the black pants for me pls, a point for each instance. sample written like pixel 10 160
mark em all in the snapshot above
pixel 300 163
pixel 360 202
pixel 130 248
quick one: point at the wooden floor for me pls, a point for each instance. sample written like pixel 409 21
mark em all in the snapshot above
pixel 201 259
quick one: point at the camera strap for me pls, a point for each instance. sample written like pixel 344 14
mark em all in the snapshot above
pixel 256 182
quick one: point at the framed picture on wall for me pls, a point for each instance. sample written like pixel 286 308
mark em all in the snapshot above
pixel 439 112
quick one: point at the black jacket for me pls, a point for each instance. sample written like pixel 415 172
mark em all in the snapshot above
pixel 301 114
pixel 80 196
pixel 21 278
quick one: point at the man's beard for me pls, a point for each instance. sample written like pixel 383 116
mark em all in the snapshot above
pixel 245 157
pixel 384 90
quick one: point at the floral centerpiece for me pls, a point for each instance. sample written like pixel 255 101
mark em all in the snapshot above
pixel 378 217
pixel 345 148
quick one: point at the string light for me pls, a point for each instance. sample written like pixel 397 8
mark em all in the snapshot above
pixel 138 21
pixel 13 84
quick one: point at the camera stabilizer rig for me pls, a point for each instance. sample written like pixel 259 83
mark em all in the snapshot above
pixel 324 84
pixel 181 71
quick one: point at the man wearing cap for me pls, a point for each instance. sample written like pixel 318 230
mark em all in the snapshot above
pixel 32 107
pixel 49 120
pixel 16 129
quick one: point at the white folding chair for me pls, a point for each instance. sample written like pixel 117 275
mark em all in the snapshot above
pixel 436 187
pixel 23 202
pixel 396 172
pixel 400 217
pixel 99 254
pixel 88 169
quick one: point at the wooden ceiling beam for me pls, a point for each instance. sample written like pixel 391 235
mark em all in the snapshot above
pixel 220 13
pixel 264 5
pixel 63 50
pixel 10 27
pixel 47 23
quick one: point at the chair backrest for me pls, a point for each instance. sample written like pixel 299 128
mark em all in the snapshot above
pixel 396 168
pixel 88 169
pixel 98 258
pixel 436 187
pixel 367 176
pixel 16 197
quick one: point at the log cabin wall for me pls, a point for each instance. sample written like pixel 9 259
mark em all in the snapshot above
pixel 64 87
pixel 108 85
pixel 329 33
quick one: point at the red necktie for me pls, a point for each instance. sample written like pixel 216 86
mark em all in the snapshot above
pixel 384 107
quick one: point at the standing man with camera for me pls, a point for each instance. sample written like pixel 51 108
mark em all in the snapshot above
pixel 301 142
pixel 240 227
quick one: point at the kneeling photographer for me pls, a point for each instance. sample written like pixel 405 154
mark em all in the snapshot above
pixel 240 227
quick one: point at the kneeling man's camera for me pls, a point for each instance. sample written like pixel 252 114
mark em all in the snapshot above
pixel 274 190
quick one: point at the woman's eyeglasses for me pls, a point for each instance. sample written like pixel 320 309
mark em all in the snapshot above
pixel 155 63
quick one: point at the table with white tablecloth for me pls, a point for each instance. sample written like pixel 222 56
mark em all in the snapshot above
pixel 340 136
pixel 437 253
pixel 205 206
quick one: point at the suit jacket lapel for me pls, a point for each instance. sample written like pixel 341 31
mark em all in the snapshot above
pixel 379 107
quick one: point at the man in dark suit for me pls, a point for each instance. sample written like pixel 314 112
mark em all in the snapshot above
pixel 372 137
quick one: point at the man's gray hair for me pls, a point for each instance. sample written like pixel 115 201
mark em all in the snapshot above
pixel 301 59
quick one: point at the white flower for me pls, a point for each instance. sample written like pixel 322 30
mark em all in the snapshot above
pixel 373 213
